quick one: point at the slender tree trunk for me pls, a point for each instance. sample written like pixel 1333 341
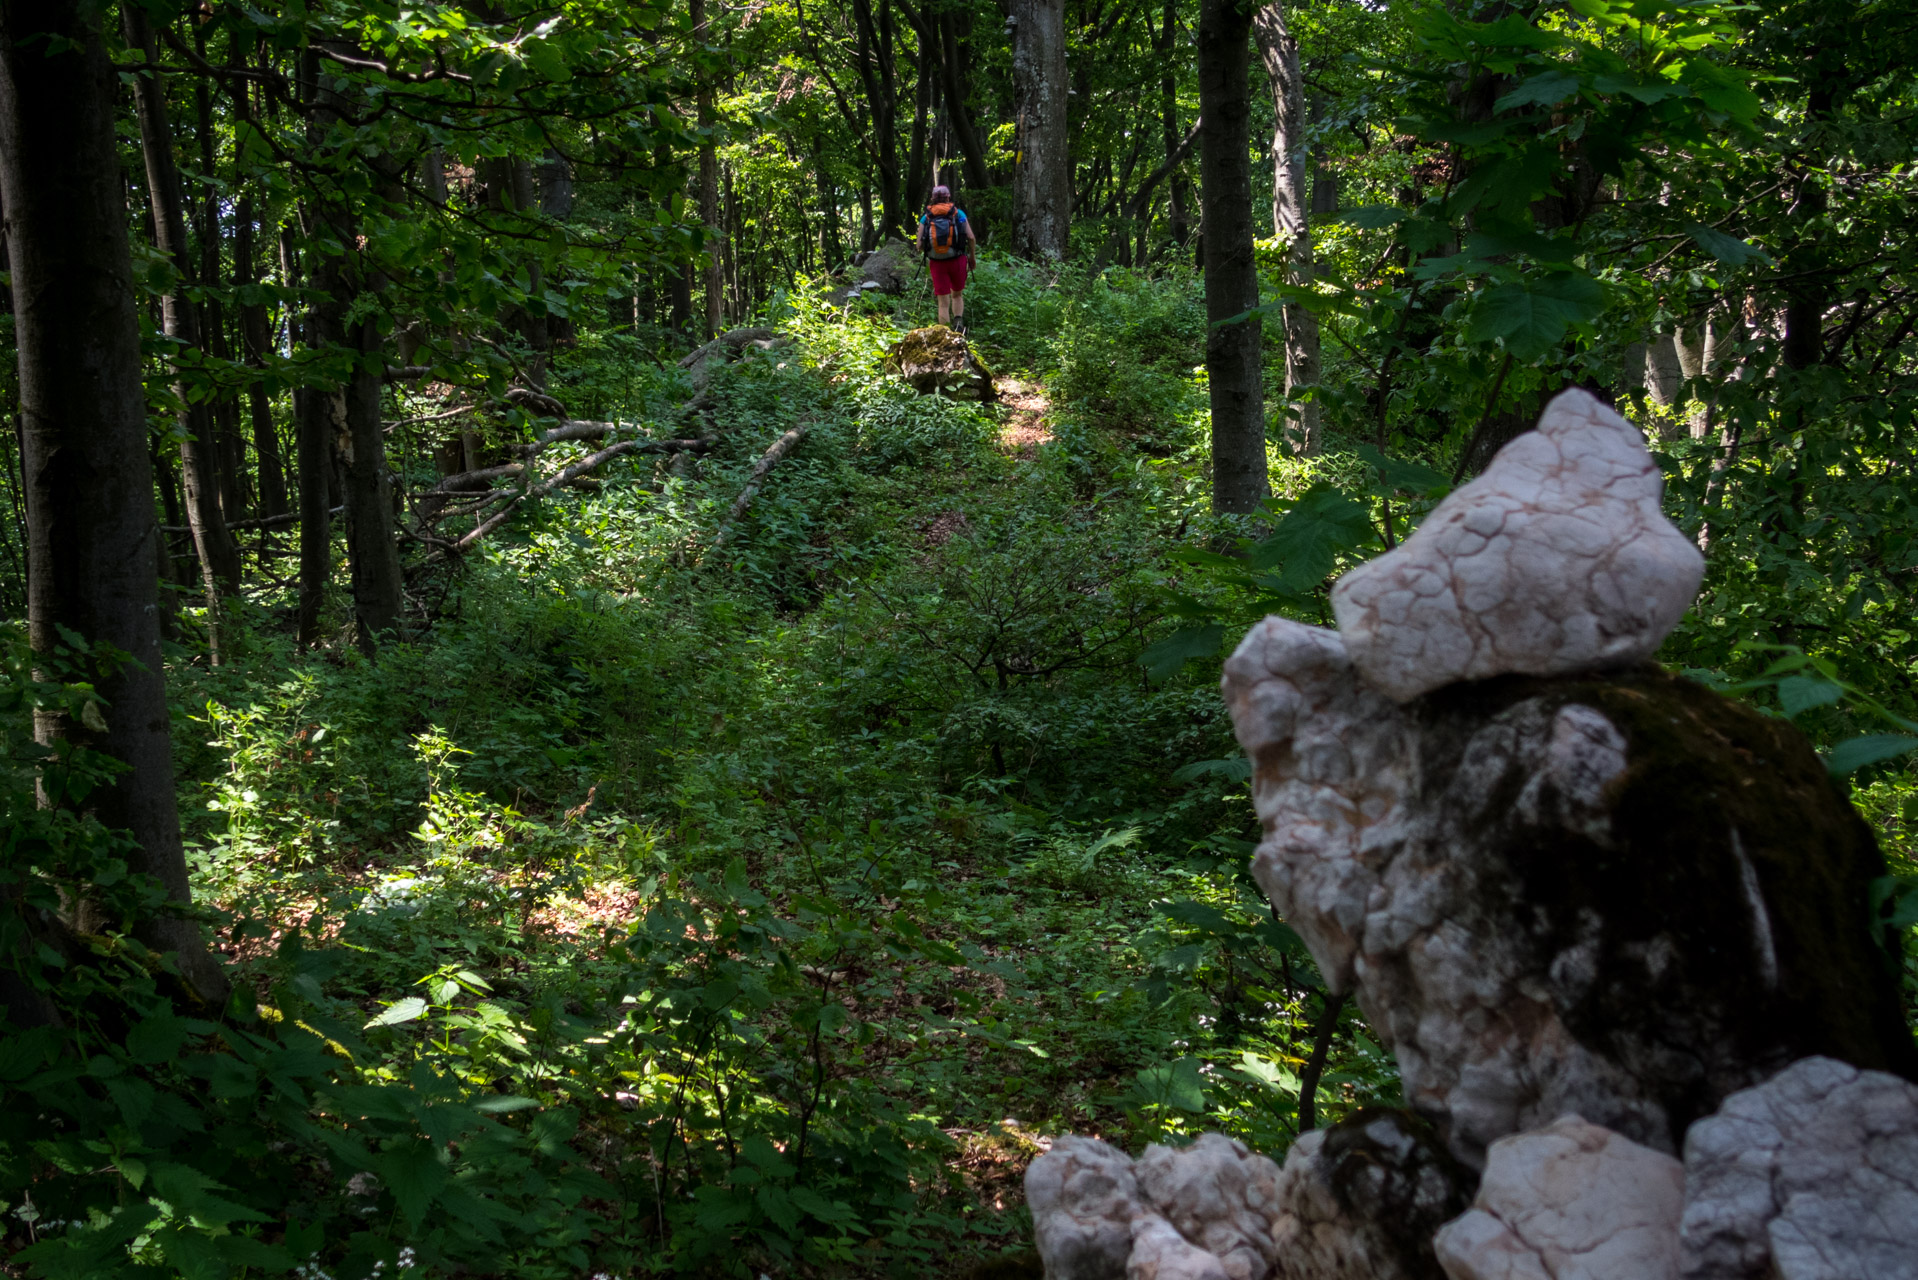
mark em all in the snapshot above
pixel 219 556
pixel 925 90
pixel 258 342
pixel 715 278
pixel 1169 120
pixel 1290 220
pixel 1232 351
pixel 873 56
pixel 367 493
pixel 91 526
pixel 957 110
pixel 1042 174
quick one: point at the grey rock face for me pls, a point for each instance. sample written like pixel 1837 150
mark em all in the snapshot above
pixel 1083 1197
pixel 1624 897
pixel 1812 1175
pixel 886 270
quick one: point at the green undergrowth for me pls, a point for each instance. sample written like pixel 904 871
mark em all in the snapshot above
pixel 659 907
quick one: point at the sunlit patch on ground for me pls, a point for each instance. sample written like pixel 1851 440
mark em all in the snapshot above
pixel 1025 428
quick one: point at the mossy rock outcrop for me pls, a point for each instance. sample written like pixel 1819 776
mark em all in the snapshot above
pixel 936 359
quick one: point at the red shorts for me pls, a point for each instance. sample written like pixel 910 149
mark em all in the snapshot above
pixel 949 275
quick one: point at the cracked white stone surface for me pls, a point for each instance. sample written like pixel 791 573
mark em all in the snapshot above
pixel 1812 1175
pixel 1363 1203
pixel 1571 1201
pixel 1556 559
pixel 1330 763
pixel 1200 1212
pixel 1083 1198
pixel 1218 1195
pixel 1389 899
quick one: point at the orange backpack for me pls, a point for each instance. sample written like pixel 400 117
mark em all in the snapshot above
pixel 939 235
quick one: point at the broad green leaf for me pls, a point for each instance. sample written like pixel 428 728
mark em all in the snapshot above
pixel 1232 769
pixel 1729 250
pixel 1854 754
pixel 1798 694
pixel 1532 318
pixel 1308 538
pixel 1406 477
pixel 1201 915
pixel 1176 1085
pixel 412 1171
pixel 778 1207
pixel 1546 90
pixel 399 1011
pixel 1371 216
pixel 502 1105
pixel 1163 659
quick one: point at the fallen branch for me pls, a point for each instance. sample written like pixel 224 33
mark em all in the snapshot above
pixel 265 522
pixel 567 475
pixel 780 448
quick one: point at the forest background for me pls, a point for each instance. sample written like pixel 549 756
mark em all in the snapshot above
pixel 642 814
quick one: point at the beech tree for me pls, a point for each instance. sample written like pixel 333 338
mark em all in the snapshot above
pixel 1042 170
pixel 1291 222
pixel 1232 351
pixel 93 550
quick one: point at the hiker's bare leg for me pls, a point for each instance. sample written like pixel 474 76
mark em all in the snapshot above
pixel 957 302
pixel 945 307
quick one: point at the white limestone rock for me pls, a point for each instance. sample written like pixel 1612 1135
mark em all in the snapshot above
pixel 1202 1212
pixel 1571 1201
pixel 1363 1199
pixel 1812 1175
pixel 1330 763
pixel 1556 559
pixel 1084 1198
pixel 1159 1252
pixel 1218 1195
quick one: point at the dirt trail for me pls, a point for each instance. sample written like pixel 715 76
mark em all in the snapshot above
pixel 1025 428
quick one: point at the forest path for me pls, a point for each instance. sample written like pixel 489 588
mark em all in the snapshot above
pixel 1025 428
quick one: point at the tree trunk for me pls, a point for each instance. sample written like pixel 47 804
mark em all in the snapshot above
pixel 1232 351
pixel 1290 220
pixel 709 181
pixel 925 92
pixel 219 555
pixel 91 527
pixel 956 108
pixel 1042 174
pixel 258 341
pixel 367 492
pixel 1169 120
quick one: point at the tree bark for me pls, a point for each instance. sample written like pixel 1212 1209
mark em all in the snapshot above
pixel 715 279
pixel 371 546
pixel 1169 120
pixel 257 341
pixel 1232 351
pixel 1291 222
pixel 219 555
pixel 91 526
pixel 957 110
pixel 1042 174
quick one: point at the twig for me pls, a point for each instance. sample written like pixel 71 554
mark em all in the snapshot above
pixel 780 448
pixel 1315 1065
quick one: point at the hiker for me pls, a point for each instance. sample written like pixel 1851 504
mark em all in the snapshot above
pixel 946 238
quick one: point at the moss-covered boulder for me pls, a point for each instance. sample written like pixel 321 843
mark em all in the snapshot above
pixel 1617 894
pixel 936 359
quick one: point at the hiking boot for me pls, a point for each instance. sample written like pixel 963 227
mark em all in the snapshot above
pixel 959 325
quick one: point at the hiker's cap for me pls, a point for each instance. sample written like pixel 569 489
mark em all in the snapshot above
pixel 941 193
